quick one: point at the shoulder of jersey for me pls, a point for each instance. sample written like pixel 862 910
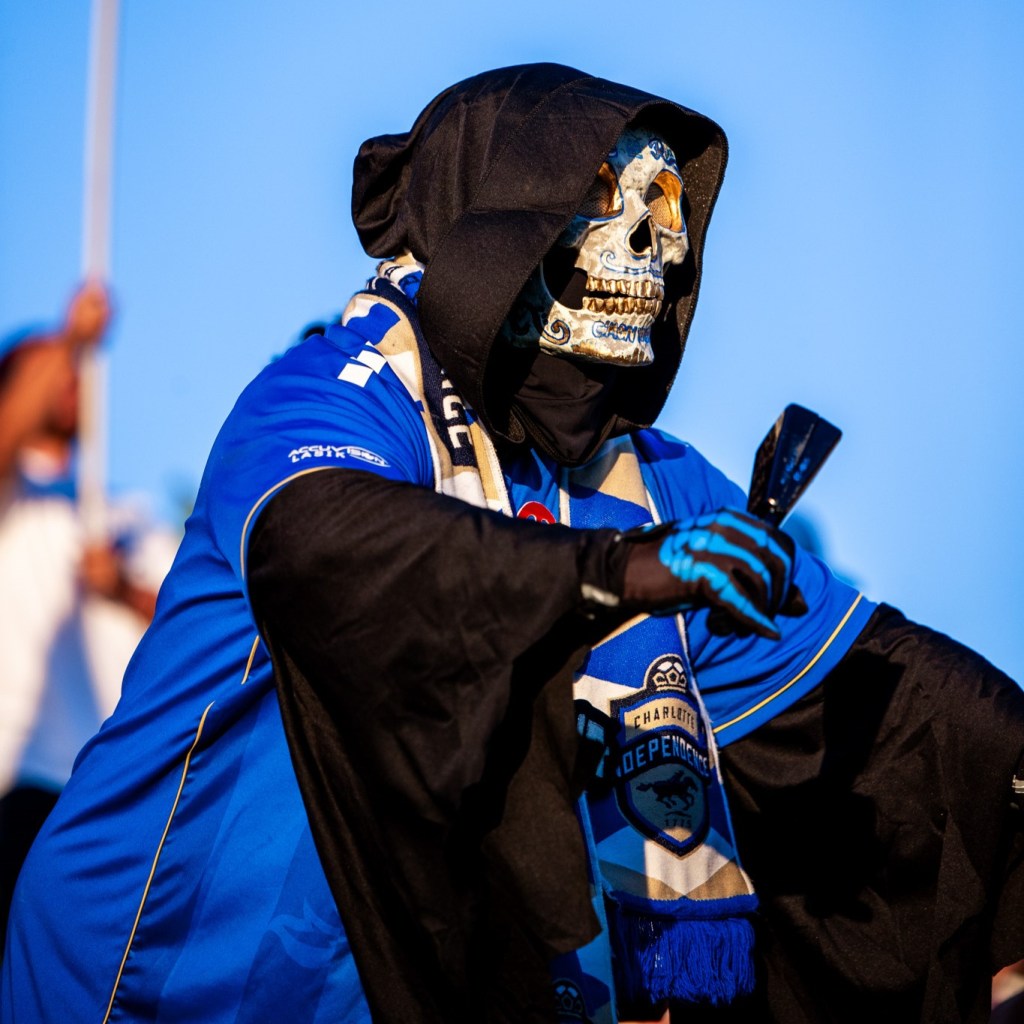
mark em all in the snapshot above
pixel 345 358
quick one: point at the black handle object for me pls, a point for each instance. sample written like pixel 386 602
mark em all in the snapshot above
pixel 788 460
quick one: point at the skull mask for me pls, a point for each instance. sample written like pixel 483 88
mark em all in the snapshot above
pixel 598 291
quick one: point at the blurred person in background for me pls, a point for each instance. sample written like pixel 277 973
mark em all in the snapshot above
pixel 60 670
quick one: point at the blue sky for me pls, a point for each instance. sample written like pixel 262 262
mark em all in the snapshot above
pixel 863 259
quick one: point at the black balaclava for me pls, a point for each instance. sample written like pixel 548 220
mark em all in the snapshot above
pixel 479 190
pixel 566 406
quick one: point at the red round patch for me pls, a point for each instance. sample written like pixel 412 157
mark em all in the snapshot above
pixel 536 511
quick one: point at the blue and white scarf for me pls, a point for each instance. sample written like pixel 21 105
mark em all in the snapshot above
pixel 677 901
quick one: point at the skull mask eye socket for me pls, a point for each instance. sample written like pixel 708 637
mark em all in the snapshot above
pixel 600 289
pixel 663 199
pixel 603 198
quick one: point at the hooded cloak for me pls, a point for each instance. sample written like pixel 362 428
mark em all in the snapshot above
pixel 480 188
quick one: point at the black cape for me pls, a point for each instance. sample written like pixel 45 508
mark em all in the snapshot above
pixel 427 702
pixel 877 819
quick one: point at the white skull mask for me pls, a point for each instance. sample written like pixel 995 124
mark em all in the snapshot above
pixel 598 291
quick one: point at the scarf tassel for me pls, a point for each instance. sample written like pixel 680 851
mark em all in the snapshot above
pixel 696 961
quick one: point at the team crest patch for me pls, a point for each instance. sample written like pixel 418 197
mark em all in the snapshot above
pixel 664 767
pixel 569 1005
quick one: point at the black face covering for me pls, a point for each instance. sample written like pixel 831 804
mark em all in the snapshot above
pixel 563 405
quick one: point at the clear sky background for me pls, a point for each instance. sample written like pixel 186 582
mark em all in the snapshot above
pixel 864 259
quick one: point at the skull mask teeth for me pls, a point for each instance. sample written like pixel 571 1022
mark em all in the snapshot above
pixel 597 293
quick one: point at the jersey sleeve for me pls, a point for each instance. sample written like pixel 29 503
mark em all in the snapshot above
pixel 329 403
pixel 745 681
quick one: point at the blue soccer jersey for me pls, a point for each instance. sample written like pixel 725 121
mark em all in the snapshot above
pixel 178 869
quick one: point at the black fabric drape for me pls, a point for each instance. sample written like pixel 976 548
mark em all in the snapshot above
pixel 426 695
pixel 875 819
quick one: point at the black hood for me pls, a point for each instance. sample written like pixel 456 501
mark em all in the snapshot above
pixel 481 187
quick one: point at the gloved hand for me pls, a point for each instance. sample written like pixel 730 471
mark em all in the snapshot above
pixel 729 561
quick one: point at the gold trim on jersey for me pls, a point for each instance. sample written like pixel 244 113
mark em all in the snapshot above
pixel 807 668
pixel 156 859
pixel 259 501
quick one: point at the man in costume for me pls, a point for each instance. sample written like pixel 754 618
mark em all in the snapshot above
pixel 404 742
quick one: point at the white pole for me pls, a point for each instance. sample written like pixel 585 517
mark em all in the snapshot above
pixel 96 204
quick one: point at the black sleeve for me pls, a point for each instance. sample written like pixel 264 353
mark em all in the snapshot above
pixel 877 820
pixel 424 651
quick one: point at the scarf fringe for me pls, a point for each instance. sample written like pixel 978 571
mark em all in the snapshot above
pixel 696 961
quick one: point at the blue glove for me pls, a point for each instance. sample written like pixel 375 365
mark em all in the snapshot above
pixel 728 561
